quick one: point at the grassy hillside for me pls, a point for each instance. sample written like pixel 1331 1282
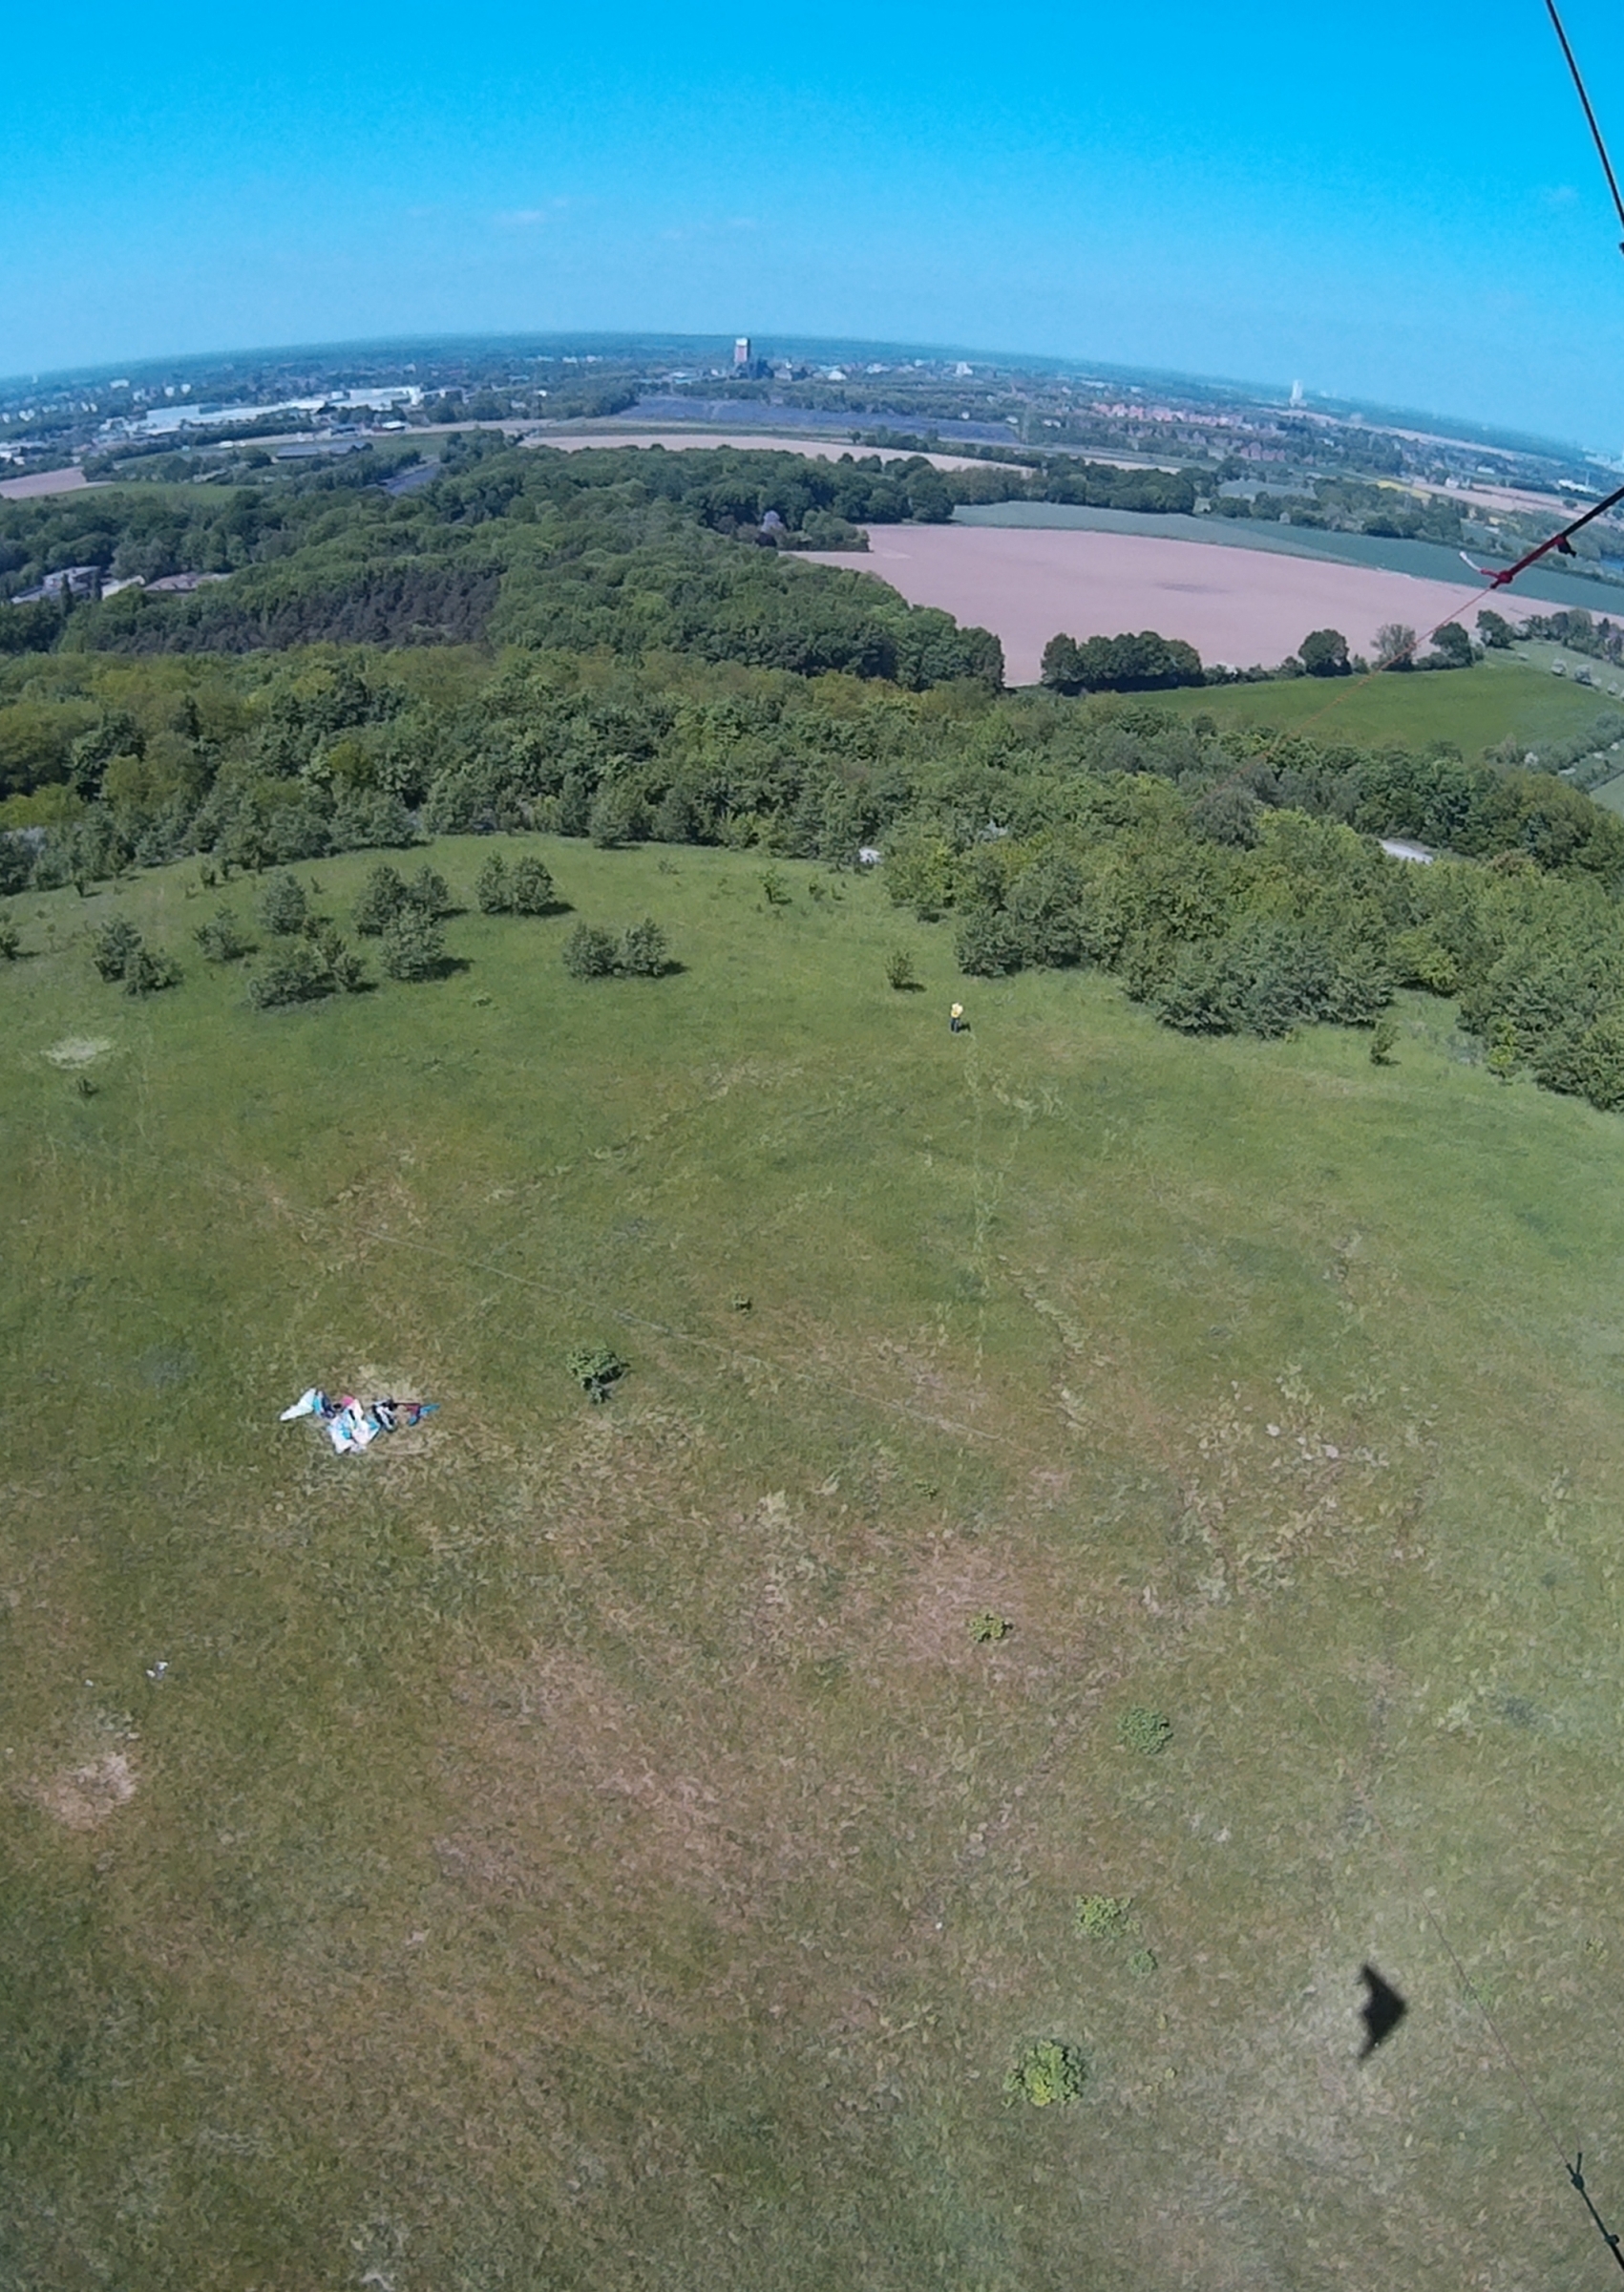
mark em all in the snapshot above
pixel 578 1845
pixel 1512 697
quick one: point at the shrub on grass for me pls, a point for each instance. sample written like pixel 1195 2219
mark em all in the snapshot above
pixel 284 907
pixel 490 886
pixel 642 952
pixel 223 938
pixel 899 971
pixel 988 1626
pixel 412 946
pixel 148 973
pixel 1502 1053
pixel 590 953
pixel 531 889
pixel 1046 2073
pixel 347 970
pixel 1144 1728
pixel 526 888
pixel 1382 1040
pixel 429 891
pixel 114 948
pixel 295 972
pixel 10 939
pixel 383 895
pixel 596 1368
pixel 1142 1965
pixel 1104 1917
pixel 775 889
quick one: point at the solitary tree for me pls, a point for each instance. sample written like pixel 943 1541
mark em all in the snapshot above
pixel 412 945
pixel 383 895
pixel 284 908
pixel 1452 647
pixel 490 886
pixel 1324 653
pixel 1394 645
pixel 590 953
pixel 531 889
pixel 642 952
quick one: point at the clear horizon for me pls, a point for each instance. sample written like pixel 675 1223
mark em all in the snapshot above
pixel 1401 217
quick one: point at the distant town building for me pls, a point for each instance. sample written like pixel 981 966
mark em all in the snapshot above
pixel 74 581
pixel 742 351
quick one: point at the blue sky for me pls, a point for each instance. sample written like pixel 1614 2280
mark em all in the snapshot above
pixel 1392 203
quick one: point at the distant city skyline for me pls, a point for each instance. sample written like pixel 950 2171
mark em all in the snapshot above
pixel 1400 213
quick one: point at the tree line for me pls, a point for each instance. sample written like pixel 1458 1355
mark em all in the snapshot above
pixel 1232 880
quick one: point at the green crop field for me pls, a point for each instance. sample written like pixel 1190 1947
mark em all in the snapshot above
pixel 1501 698
pixel 580 1845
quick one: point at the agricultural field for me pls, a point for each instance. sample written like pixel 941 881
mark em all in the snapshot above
pixel 1504 696
pixel 1101 1534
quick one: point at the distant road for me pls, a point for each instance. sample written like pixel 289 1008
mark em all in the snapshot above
pixel 43 481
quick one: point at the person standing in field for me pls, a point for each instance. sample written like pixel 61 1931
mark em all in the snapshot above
pixel 955 1019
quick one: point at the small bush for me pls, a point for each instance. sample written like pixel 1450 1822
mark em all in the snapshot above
pixel 10 939
pixel 1502 1057
pixel 223 938
pixel 431 893
pixel 590 953
pixel 347 971
pixel 899 971
pixel 114 948
pixel 1046 2073
pixel 1142 1965
pixel 775 889
pixel 284 907
pixel 531 890
pixel 412 946
pixel 1145 1729
pixel 596 1368
pixel 16 864
pixel 1383 1042
pixel 383 895
pixel 526 888
pixel 987 1626
pixel 1104 1917
pixel 148 973
pixel 490 886
pixel 642 952
pixel 293 973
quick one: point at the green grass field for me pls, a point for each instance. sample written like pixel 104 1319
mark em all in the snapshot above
pixel 581 1845
pixel 1514 697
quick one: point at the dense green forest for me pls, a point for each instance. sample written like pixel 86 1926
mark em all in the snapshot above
pixel 637 551
pixel 629 645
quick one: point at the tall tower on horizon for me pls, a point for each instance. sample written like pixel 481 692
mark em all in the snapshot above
pixel 742 351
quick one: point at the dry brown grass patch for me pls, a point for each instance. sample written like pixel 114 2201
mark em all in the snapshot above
pixel 83 1797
